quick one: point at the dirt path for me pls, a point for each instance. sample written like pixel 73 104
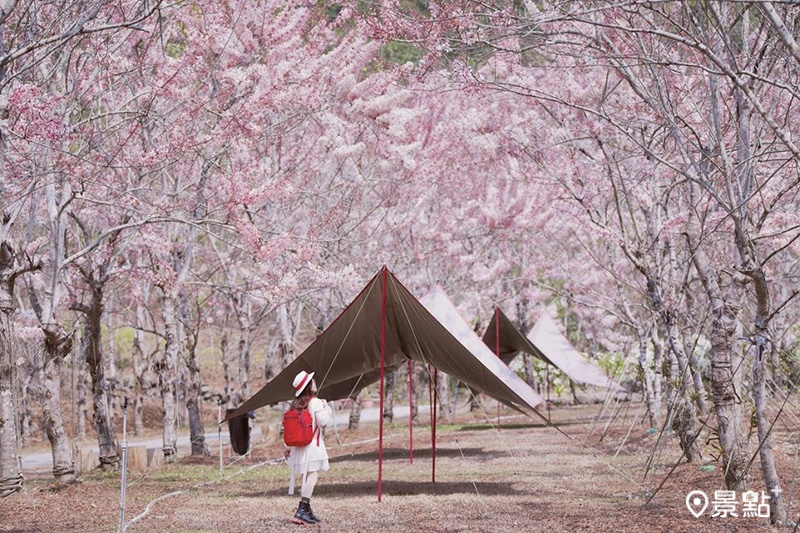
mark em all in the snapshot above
pixel 525 478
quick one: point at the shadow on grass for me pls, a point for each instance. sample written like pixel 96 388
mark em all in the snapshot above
pixel 401 488
pixel 530 425
pixel 390 454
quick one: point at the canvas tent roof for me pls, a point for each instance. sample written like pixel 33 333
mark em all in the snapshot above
pixel 546 342
pixel 439 304
pixel 347 355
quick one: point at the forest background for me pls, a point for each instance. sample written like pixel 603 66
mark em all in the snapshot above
pixel 190 191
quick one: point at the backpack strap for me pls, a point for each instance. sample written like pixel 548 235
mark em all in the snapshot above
pixel 315 426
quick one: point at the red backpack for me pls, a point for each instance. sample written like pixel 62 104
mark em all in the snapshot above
pixel 298 428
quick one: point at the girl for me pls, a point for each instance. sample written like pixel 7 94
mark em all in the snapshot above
pixel 313 458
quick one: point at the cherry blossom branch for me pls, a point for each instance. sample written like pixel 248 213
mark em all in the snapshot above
pixel 78 28
pixel 784 33
pixel 108 232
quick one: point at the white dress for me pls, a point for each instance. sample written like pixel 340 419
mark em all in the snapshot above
pixel 312 457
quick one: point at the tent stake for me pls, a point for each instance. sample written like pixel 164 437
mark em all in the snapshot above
pixel 433 438
pixel 383 357
pixel 497 351
pixel 410 411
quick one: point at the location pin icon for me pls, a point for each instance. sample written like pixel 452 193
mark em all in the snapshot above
pixel 697 502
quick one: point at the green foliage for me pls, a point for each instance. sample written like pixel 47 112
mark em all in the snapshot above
pixel 175 46
pixel 123 345
pixel 789 361
pixel 331 10
pixel 559 381
pixel 123 339
pixel 417 6
pixel 400 53
pixel 613 364
pixel 174 49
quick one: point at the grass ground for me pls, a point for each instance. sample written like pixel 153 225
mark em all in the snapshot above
pixel 525 478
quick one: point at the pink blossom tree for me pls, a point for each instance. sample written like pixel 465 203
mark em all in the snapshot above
pixel 673 64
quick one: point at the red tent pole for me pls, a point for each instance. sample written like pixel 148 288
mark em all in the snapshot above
pixel 430 395
pixel 548 393
pixel 383 358
pixel 497 351
pixel 433 439
pixel 411 411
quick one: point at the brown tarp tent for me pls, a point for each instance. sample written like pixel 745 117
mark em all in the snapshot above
pixel 440 306
pixel 546 342
pixel 347 355
pixel 382 328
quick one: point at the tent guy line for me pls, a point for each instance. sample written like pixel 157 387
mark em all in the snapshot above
pixel 451 416
pixel 339 350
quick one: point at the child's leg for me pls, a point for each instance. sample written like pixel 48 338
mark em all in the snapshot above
pixel 308 487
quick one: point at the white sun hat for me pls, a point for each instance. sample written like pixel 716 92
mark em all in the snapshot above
pixel 301 381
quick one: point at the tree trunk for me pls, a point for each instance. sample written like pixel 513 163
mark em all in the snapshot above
pixel 355 412
pixel 574 391
pixel 658 366
pixel 762 340
pixel 58 345
pixel 286 344
pixel 454 400
pixel 283 351
pixel 388 401
pixel 725 372
pixel 196 432
pixel 420 387
pixel 23 408
pixel 752 267
pixel 139 364
pixel 530 373
pixel 166 370
pixel 181 386
pixel 700 394
pixel 727 399
pixel 527 359
pixel 699 388
pixel 182 372
pixel 231 397
pixel 443 388
pixel 648 379
pixel 766 455
pixel 10 473
pixel 82 387
pixel 112 393
pixel 474 401
pixel 685 420
pixel 92 352
pixel 414 391
pixel 243 316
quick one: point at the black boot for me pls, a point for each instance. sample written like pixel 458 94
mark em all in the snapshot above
pixel 303 515
pixel 311 513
